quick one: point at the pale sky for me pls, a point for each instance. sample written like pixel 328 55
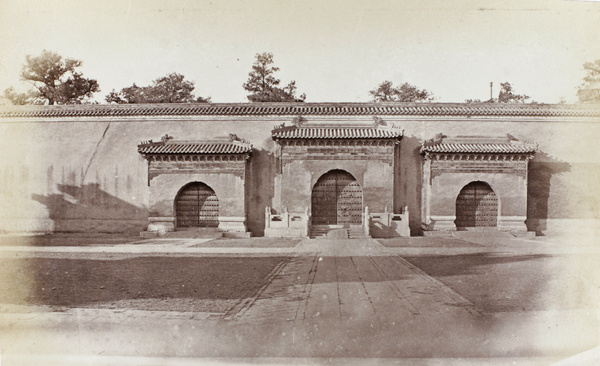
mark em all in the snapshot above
pixel 335 50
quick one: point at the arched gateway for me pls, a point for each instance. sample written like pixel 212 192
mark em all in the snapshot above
pixel 197 205
pixel 337 199
pixel 476 206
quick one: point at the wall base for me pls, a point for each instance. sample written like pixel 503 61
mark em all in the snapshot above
pixel 559 227
pixel 284 232
pixel 161 224
pixel 512 223
pixel 440 223
pixel 233 224
pixel 21 225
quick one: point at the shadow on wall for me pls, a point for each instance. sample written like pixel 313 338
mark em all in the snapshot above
pixel 410 183
pixel 88 208
pixel 260 191
pixel 541 170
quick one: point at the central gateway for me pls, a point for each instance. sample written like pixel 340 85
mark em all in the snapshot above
pixel 337 200
pixel 332 174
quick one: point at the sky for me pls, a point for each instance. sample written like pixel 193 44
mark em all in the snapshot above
pixel 336 51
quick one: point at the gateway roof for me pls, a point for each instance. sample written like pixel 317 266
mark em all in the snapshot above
pixel 295 109
pixel 335 133
pixel 194 147
pixel 478 145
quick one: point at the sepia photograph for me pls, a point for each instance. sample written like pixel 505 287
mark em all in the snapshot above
pixel 236 182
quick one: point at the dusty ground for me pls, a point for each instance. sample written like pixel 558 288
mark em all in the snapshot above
pixel 494 282
pixel 411 297
pixel 424 242
pixel 254 243
pixel 503 282
pixel 143 283
pixel 66 239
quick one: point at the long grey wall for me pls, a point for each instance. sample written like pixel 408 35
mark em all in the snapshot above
pixel 84 174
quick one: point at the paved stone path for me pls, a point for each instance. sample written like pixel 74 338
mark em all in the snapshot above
pixel 328 298
pixel 349 281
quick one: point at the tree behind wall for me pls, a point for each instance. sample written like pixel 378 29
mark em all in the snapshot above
pixel 55 81
pixel 386 92
pixel 264 86
pixel 589 91
pixel 506 95
pixel 172 88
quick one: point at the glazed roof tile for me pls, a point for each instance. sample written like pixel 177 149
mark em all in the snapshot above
pixel 334 133
pixel 481 148
pixel 183 147
pixel 295 109
pixel 478 145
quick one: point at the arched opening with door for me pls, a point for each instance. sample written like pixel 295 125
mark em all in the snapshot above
pixel 477 206
pixel 197 206
pixel 337 199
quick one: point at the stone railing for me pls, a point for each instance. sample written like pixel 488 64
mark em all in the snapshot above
pixel 386 224
pixel 287 224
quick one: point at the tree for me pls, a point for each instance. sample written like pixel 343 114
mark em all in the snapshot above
pixel 506 95
pixel 264 86
pixel 17 98
pixel 386 92
pixel 55 80
pixel 171 88
pixel 589 91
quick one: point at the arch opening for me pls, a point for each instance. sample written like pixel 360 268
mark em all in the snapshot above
pixel 196 206
pixel 476 206
pixel 337 199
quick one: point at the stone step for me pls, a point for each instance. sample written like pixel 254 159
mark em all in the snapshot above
pixel 337 232
pixel 187 234
pixel 356 234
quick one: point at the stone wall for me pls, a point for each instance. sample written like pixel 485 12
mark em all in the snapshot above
pixel 82 174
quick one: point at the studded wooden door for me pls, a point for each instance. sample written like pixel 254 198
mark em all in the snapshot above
pixel 337 200
pixel 476 206
pixel 197 206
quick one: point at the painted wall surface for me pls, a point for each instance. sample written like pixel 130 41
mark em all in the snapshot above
pixel 86 174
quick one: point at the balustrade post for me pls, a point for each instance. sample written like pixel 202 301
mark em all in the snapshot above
pixel 367 222
pixel 267 217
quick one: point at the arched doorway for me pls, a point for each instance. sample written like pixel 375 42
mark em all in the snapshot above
pixel 337 199
pixel 476 206
pixel 197 205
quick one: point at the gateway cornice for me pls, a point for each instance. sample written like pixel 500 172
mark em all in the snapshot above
pixel 336 132
pixel 445 145
pixel 224 149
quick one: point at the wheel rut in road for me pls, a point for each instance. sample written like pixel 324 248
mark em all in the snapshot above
pixel 349 281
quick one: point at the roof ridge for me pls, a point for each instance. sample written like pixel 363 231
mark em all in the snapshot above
pixel 299 109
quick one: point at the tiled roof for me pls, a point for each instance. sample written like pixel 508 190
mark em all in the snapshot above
pixel 184 147
pixel 334 133
pixel 481 148
pixel 478 145
pixel 299 109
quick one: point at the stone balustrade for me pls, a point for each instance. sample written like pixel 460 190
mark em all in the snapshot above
pixel 287 224
pixel 386 224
